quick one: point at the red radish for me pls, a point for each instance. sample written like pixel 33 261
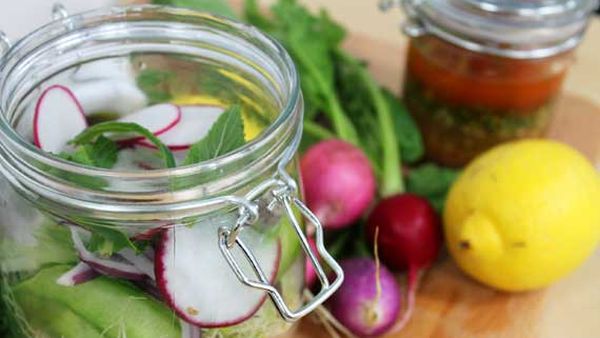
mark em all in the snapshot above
pixel 79 274
pixel 112 95
pixel 158 119
pixel 116 266
pixel 195 123
pixel 368 302
pixel 338 182
pixel 409 238
pixel 310 275
pixel 58 118
pixel 198 283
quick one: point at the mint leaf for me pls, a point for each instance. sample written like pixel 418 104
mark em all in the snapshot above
pixel 95 132
pixel 219 7
pixel 105 152
pixel 225 135
pixel 102 153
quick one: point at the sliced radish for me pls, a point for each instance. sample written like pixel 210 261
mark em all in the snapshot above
pixel 113 68
pixel 58 118
pixel 198 283
pixel 158 119
pixel 79 274
pixel 195 123
pixel 109 95
pixel 116 266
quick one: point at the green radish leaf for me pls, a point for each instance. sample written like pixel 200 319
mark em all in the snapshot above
pixel 96 131
pixel 225 135
pixel 409 135
pixel 432 182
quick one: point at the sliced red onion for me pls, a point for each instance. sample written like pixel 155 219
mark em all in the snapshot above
pixel 141 262
pixel 116 266
pixel 79 274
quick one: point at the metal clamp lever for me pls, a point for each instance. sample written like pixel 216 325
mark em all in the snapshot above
pixel 287 201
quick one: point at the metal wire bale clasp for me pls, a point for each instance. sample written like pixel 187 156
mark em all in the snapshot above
pixel 283 196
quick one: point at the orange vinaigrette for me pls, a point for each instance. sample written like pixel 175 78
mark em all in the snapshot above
pixel 482 72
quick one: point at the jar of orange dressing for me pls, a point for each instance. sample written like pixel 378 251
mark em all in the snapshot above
pixel 484 72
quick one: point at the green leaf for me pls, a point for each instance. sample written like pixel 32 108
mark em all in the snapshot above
pixel 219 7
pixel 225 135
pixel 311 40
pixel 253 15
pixel 409 135
pixel 102 153
pixel 432 182
pixel 107 238
pixel 96 131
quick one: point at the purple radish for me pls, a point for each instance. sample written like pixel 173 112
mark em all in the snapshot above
pixel 195 124
pixel 116 266
pixel 368 302
pixel 158 119
pixel 79 274
pixel 408 234
pixel 338 181
pixel 117 96
pixel 198 283
pixel 58 118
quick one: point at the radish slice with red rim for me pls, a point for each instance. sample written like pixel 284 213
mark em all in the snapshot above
pixel 198 283
pixel 158 119
pixel 58 118
pixel 194 125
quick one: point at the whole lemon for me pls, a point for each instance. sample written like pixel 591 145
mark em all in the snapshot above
pixel 523 214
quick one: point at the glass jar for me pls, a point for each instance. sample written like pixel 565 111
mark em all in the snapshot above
pixel 83 248
pixel 482 72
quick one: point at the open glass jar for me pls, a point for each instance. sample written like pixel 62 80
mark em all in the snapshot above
pixel 482 72
pixel 180 252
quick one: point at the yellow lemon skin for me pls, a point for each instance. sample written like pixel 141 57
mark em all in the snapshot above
pixel 251 127
pixel 523 214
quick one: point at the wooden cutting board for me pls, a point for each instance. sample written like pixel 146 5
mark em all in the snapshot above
pixel 451 305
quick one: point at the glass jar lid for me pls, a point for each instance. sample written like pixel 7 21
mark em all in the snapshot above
pixel 512 28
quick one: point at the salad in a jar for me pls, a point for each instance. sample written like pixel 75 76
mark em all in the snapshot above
pixel 144 113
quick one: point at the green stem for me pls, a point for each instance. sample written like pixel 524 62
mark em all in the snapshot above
pixel 391 182
pixel 342 125
pixel 317 131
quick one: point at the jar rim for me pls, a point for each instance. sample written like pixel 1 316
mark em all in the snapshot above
pixel 513 29
pixel 293 96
